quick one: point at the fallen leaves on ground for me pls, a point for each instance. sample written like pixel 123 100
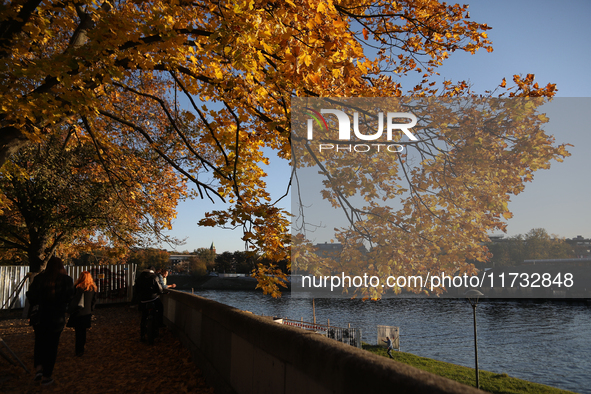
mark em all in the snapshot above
pixel 115 361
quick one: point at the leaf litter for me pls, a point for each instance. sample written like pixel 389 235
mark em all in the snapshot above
pixel 115 361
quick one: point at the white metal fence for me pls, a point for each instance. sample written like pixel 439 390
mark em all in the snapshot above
pixel 350 336
pixel 114 282
pixel 12 281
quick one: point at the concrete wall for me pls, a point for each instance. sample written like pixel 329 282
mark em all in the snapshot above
pixel 239 352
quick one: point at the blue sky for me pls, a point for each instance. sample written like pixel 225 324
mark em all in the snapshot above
pixel 547 38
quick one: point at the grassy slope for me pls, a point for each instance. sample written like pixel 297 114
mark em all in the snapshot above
pixel 489 381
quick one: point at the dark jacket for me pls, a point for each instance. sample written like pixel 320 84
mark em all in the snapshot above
pixel 82 317
pixel 89 301
pixel 147 286
pixel 52 300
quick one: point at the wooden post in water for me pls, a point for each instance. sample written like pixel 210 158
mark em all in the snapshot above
pixel 313 310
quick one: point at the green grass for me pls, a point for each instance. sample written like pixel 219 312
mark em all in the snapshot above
pixel 489 381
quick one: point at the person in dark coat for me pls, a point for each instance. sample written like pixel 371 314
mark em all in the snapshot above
pixel 81 309
pixel 49 296
pixel 147 286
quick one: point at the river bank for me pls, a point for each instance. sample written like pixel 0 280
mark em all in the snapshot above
pixel 539 341
pixel 116 361
pixel 498 383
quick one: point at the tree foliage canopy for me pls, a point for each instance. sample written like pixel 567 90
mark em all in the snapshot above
pixel 112 70
pixel 429 207
pixel 58 196
pixel 536 244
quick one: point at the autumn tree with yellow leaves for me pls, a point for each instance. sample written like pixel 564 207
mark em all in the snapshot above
pixel 424 208
pixel 59 197
pixel 119 69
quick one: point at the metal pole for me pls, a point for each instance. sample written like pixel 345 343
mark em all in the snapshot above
pixel 475 346
pixel 13 355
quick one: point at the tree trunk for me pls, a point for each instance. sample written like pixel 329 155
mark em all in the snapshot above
pixel 36 254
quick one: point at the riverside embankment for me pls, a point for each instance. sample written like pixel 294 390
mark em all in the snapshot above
pixel 116 361
pixel 243 353
pixel 540 341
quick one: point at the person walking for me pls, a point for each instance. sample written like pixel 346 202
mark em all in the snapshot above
pixel 388 343
pixel 81 309
pixel 49 296
pixel 148 289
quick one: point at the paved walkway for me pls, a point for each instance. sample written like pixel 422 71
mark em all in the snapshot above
pixel 115 361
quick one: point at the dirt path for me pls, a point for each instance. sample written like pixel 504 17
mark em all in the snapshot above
pixel 115 361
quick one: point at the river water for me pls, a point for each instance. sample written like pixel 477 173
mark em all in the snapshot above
pixel 543 342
